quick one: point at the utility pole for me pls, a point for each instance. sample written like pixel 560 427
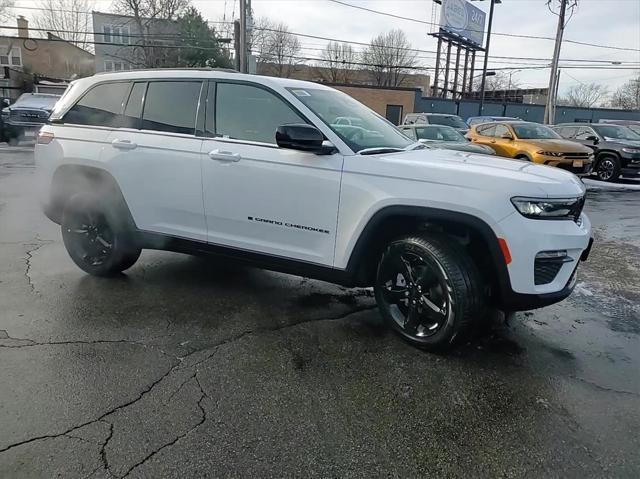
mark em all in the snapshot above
pixel 549 111
pixel 486 59
pixel 243 36
pixel 236 43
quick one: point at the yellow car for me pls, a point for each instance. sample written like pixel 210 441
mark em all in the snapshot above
pixel 533 142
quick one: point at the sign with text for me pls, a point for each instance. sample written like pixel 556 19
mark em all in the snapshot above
pixel 461 18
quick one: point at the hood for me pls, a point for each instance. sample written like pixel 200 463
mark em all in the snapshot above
pixel 473 171
pixel 461 146
pixel 557 145
pixel 624 142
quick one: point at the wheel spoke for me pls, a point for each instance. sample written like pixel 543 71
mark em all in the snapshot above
pixel 395 294
pixel 102 241
pixel 412 320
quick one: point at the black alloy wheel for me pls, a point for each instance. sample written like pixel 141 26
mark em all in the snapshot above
pixel 95 238
pixel 608 169
pixel 428 291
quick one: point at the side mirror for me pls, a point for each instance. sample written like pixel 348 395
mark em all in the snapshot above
pixel 302 137
pixel 593 138
pixel 507 136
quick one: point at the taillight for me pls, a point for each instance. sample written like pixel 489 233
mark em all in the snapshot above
pixel 44 137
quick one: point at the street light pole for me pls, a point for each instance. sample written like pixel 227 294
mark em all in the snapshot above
pixel 486 59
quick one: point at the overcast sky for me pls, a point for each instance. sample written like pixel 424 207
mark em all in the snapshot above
pixel 608 22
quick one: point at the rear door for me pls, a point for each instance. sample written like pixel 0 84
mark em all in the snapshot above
pixel 155 157
pixel 260 197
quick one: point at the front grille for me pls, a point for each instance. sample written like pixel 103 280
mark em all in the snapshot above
pixel 576 210
pixel 29 116
pixel 576 156
pixel 546 270
pixel 578 170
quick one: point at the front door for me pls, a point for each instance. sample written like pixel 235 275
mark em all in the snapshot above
pixel 260 197
pixel 503 146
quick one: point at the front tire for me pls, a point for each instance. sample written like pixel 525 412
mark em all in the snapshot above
pixel 429 291
pixel 608 168
pixel 96 236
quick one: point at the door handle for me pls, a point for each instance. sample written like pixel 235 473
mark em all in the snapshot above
pixel 493 141
pixel 224 155
pixel 124 144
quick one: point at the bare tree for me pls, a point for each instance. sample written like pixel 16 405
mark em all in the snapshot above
pixel 627 96
pixel 277 48
pixel 501 81
pixel 6 7
pixel 155 20
pixel 338 62
pixel 68 19
pixel 389 58
pixel 584 95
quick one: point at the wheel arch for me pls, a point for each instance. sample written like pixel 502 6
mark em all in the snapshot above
pixel 68 180
pixel 394 221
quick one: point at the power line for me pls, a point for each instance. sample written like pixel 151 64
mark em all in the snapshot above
pixel 531 37
pixel 353 42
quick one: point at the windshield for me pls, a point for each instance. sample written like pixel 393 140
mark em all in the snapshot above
pixel 30 100
pixel 454 121
pixel 439 133
pixel 532 131
pixel 366 129
pixel 617 132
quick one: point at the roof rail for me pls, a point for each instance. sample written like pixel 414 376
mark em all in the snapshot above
pixel 205 69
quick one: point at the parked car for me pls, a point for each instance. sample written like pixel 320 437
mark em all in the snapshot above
pixel 346 120
pixel 616 147
pixel 255 168
pixel 533 142
pixel 440 136
pixel 632 124
pixel 476 120
pixel 446 119
pixel 23 119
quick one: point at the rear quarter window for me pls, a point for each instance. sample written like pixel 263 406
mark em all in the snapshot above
pixel 100 106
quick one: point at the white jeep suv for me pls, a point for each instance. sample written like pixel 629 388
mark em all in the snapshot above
pixel 258 168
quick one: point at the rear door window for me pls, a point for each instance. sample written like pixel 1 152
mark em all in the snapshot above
pixel 486 130
pixel 100 106
pixel 171 106
pixel 133 109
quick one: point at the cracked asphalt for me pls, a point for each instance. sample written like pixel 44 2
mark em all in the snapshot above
pixel 189 367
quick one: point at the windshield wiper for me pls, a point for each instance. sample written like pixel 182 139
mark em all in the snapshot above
pixel 379 149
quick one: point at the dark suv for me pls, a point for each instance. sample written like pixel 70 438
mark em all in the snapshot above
pixel 617 148
pixel 23 119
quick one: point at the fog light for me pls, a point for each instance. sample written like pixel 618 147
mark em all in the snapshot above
pixel 554 255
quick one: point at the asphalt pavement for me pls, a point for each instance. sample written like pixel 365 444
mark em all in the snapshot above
pixel 189 367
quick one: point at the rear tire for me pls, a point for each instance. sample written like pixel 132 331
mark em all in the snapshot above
pixel 429 291
pixel 608 168
pixel 96 236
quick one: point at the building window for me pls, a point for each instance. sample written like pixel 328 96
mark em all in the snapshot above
pixel 11 58
pixel 116 34
pixel 112 66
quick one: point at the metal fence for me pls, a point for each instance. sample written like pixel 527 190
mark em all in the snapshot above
pixel 467 108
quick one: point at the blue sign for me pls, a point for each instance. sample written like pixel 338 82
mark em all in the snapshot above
pixel 461 18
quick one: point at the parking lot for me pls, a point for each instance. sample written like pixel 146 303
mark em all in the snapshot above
pixel 193 367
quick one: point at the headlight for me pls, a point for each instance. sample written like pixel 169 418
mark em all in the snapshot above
pixel 556 154
pixel 631 150
pixel 549 208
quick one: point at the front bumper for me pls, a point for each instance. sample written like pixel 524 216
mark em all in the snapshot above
pixel 525 240
pixel 512 301
pixel 631 168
